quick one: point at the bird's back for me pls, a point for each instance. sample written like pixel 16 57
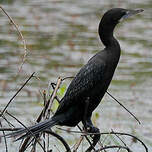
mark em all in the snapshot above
pixel 91 81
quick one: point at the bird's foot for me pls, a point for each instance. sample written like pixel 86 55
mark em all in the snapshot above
pixel 92 129
pixel 95 136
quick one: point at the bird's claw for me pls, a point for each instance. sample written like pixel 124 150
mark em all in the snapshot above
pixel 95 137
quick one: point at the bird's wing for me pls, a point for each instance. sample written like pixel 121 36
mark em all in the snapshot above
pixel 87 78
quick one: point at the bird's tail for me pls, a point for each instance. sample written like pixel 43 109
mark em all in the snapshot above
pixel 36 129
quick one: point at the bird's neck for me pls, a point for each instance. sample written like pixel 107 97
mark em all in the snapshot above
pixel 106 35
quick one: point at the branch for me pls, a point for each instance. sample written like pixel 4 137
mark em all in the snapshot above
pixel 16 94
pixel 59 138
pixel 76 146
pixel 54 94
pixel 9 129
pixel 123 107
pixel 112 147
pixel 5 141
pixel 19 33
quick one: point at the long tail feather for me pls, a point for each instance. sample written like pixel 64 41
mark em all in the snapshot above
pixel 36 129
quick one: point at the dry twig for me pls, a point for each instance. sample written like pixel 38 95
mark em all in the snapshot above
pixel 112 147
pixel 76 146
pixel 20 34
pixel 59 138
pixel 6 148
pixel 123 107
pixel 16 93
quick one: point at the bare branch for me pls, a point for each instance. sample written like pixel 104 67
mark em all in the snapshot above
pixel 71 77
pixel 16 93
pixel 123 107
pixel 20 34
pixel 112 147
pixel 9 129
pixel 9 123
pixel 59 138
pixel 54 93
pixel 76 146
pixel 6 148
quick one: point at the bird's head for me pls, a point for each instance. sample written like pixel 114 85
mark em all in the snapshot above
pixel 110 19
pixel 116 15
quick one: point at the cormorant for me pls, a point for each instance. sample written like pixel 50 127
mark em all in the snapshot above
pixel 90 84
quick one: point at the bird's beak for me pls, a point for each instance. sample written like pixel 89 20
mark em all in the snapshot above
pixel 131 13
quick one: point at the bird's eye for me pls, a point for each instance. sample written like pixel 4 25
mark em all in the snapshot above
pixel 125 13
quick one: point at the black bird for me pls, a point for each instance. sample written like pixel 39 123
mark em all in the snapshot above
pixel 91 82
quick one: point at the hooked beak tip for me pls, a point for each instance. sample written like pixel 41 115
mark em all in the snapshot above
pixel 139 10
pixel 131 13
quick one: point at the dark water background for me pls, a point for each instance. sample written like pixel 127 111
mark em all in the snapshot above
pixel 61 36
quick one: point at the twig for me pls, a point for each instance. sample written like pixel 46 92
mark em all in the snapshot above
pixel 49 102
pixel 70 77
pixel 112 147
pixel 123 107
pixel 126 134
pixel 9 123
pixel 48 142
pixel 16 94
pixel 59 138
pixel 9 129
pixel 20 34
pixel 76 146
pixel 121 140
pixel 34 146
pixel 44 98
pixel 24 145
pixel 4 138
pixel 56 97
pixel 54 94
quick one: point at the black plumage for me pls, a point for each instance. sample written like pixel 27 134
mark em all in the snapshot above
pixel 90 84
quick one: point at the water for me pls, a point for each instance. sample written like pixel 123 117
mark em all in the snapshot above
pixel 61 36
